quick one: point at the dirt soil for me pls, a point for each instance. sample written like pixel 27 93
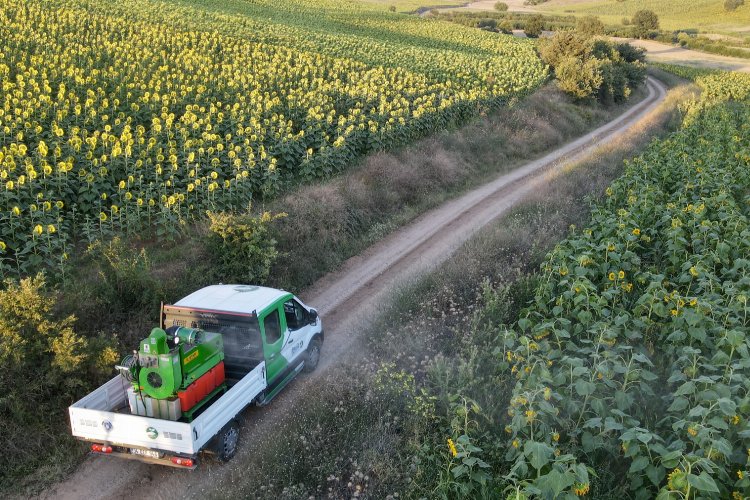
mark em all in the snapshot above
pixel 671 54
pixel 513 6
pixel 345 299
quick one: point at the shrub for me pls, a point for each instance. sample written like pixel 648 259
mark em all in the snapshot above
pixel 564 44
pixel 590 25
pixel 241 245
pixel 392 8
pixel 125 282
pixel 487 24
pixel 501 6
pixel 644 22
pixel 578 77
pixel 730 5
pixel 586 68
pixel 506 27
pixel 46 366
pixel 534 26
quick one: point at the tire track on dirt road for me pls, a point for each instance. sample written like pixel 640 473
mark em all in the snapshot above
pixel 345 299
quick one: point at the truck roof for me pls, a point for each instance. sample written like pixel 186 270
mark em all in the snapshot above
pixel 247 299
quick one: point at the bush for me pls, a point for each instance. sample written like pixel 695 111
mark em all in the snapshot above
pixel 590 25
pixel 730 5
pixel 506 27
pixel 534 26
pixel 578 77
pixel 487 24
pixel 564 44
pixel 501 6
pixel 242 247
pixel 125 283
pixel 586 68
pixel 46 366
pixel 644 22
pixel 392 8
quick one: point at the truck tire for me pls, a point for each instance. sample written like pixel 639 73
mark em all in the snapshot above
pixel 226 443
pixel 313 355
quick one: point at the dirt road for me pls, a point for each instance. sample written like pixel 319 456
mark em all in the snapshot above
pixel 672 54
pixel 345 299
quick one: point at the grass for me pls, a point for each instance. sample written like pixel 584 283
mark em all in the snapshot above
pixel 412 5
pixel 332 221
pixel 375 442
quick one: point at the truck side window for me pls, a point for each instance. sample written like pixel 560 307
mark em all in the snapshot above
pixel 295 314
pixel 272 327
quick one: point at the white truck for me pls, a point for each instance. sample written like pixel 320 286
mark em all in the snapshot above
pixel 264 338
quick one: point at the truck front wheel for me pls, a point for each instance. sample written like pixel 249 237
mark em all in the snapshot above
pixel 313 355
pixel 227 441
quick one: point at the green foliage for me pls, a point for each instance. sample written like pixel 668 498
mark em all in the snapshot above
pixel 644 23
pixel 505 27
pixel 125 281
pixel 46 366
pixel 501 6
pixel 487 24
pixel 590 25
pixel 534 26
pixel 635 352
pixel 242 246
pixel 587 68
pixel 580 78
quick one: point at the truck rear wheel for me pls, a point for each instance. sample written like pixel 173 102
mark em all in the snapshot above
pixel 313 355
pixel 226 445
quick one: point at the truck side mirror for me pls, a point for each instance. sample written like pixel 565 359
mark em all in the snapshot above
pixel 312 316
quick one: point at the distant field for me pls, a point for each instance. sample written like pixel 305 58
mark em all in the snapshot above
pixel 706 15
pixel 411 5
pixel 673 14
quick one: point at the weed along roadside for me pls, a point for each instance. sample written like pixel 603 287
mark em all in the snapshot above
pixel 309 392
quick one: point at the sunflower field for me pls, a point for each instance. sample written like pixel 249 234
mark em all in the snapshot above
pixel 124 116
pixel 634 357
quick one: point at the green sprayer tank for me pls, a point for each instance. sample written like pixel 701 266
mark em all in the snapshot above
pixel 178 368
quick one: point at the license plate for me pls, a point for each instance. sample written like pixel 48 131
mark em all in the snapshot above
pixel 145 453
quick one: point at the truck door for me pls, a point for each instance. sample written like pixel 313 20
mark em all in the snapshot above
pixel 273 341
pixel 297 330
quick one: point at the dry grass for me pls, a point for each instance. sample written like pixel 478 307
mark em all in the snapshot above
pixel 331 221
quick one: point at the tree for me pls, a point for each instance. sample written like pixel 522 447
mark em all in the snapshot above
pixel 644 22
pixel 589 68
pixel 562 45
pixel 590 25
pixel 534 26
pixel 501 6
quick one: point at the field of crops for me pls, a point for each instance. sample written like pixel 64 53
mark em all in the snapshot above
pixel 116 116
pixel 634 358
pixel 673 14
